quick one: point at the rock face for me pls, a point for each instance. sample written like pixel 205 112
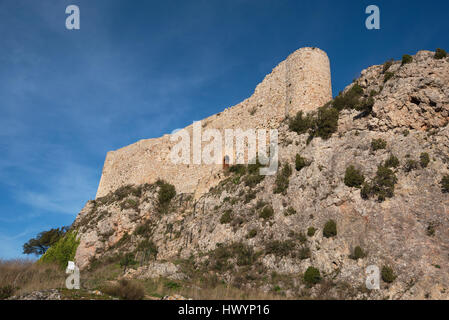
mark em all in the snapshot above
pixel 246 234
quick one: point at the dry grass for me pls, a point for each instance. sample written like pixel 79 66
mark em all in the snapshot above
pixel 25 276
pixel 161 287
pixel 126 290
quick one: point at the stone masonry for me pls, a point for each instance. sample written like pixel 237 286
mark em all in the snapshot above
pixel 301 82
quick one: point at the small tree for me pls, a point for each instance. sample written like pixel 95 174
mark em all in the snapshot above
pixel 44 240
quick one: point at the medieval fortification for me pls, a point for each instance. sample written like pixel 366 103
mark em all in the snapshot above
pixel 301 82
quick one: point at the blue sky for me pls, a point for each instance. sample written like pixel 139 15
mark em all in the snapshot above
pixel 139 69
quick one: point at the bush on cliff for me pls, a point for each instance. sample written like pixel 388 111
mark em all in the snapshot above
pixel 388 274
pixel 387 65
pixel 440 54
pixel 424 159
pixel 445 184
pixel 301 163
pixel 350 99
pixel 358 253
pixel 62 251
pixel 282 179
pixel 300 123
pixel 312 276
pixel 353 177
pixel 378 144
pixel 226 217
pixel 382 185
pixel 267 213
pixel 330 229
pixel 326 122
pixel 392 162
pixel 388 75
pixel 165 194
pixel 406 58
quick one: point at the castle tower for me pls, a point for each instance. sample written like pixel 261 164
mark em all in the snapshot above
pixel 308 80
pixel 301 82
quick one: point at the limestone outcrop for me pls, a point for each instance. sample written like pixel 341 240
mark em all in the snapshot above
pixel 243 232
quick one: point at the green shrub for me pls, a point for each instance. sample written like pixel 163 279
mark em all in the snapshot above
pixel 252 233
pixel 388 274
pixel 253 180
pixel 382 185
pixel 406 58
pixel 350 99
pixel 226 217
pixel 129 204
pixel 326 122
pixel 143 229
pixel 300 123
pixel 424 159
pixel 445 184
pixel 312 276
pixel 378 144
pixel 127 260
pixel 366 105
pixel 410 165
pixel 267 213
pixel 387 65
pixel 282 179
pixel 431 230
pixel 358 253
pixel 392 162
pixel 148 248
pixel 279 248
pixel 6 292
pixel 330 229
pixel 301 163
pixel 245 254
pixel 440 54
pixel 238 169
pixel 166 193
pixel 172 285
pixel 62 251
pixel 125 191
pixel 251 195
pixel 290 212
pixel 388 75
pixel 353 177
pixel 304 253
pixel 126 290
pixel 311 231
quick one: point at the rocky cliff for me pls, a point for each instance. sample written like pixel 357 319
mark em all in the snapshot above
pixel 363 186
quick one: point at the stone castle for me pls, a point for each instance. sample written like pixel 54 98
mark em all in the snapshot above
pixel 301 82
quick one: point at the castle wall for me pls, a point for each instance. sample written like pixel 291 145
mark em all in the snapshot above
pixel 301 82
